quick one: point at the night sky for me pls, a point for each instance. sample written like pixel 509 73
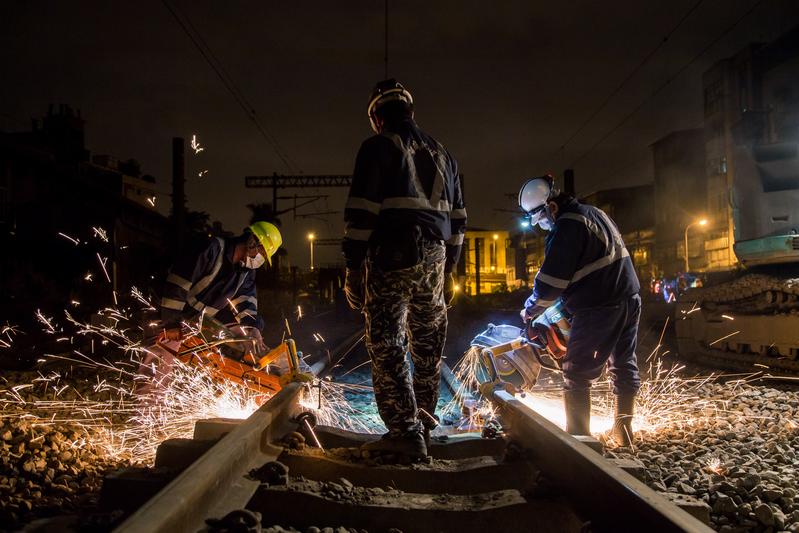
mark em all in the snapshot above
pixel 501 84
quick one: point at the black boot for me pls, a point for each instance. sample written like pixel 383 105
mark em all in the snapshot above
pixel 622 431
pixel 578 411
pixel 410 445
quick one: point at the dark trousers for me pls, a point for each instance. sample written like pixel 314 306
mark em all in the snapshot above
pixel 600 335
pixel 405 309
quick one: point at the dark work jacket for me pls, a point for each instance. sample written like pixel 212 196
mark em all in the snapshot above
pixel 207 281
pixel 586 262
pixel 403 178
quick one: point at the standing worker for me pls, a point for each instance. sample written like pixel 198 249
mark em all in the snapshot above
pixel 217 281
pixel 588 267
pixel 405 220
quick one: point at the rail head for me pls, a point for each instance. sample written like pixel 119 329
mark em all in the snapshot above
pixel 612 498
pixel 196 494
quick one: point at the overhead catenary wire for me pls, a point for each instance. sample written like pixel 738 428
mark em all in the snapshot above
pixel 385 35
pixel 217 66
pixel 667 82
pixel 624 82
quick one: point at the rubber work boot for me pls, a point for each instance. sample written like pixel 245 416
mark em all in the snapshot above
pixel 622 431
pixel 578 411
pixel 411 445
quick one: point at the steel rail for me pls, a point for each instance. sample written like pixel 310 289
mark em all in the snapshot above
pixel 607 495
pixel 215 484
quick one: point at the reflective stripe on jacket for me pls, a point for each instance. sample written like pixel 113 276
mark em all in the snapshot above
pixel 586 263
pixel 403 178
pixel 208 282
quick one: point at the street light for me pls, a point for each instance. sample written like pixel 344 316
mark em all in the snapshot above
pixel 495 237
pixel 700 222
pixel 311 238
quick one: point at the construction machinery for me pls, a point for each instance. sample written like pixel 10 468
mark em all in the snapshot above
pixel 512 358
pixel 233 357
pixel 750 321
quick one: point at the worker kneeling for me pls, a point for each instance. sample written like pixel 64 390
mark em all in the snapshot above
pixel 216 281
pixel 588 267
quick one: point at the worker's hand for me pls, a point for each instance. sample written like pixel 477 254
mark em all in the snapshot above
pixel 258 340
pixel 449 288
pixel 354 288
pixel 253 333
pixel 529 314
pixel 172 334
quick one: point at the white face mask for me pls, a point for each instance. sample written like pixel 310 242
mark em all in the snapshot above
pixel 545 223
pixel 254 262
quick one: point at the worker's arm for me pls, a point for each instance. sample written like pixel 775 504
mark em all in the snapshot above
pixel 188 269
pixel 245 304
pixel 563 251
pixel 363 204
pixel 457 219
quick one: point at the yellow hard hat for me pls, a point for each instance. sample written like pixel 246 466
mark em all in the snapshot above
pixel 269 237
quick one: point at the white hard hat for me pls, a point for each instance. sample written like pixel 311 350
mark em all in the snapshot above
pixel 535 193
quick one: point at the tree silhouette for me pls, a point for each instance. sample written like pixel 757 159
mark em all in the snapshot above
pixel 263 211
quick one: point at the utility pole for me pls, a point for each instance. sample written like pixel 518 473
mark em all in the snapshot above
pixel 568 181
pixel 276 182
pixel 178 190
pixel 477 266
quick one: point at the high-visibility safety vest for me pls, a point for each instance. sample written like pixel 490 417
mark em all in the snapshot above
pixel 403 178
pixel 586 262
pixel 209 282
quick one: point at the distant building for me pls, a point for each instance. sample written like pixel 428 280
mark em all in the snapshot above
pixel 50 186
pixel 489 253
pixel 751 105
pixel 680 199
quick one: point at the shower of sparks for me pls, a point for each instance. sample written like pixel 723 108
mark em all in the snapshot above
pixel 9 332
pixel 126 413
pixel 724 337
pixel 202 173
pixel 100 233
pixel 660 341
pixel 318 337
pixel 336 409
pixel 299 312
pixel 195 145
pixel 75 241
pixel 714 465
pixel 137 294
pixel 664 401
pixel 46 322
pixel 88 277
pixel 103 261
pixel 151 200
pixel 728 317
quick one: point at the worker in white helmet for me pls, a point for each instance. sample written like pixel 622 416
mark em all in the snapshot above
pixel 587 266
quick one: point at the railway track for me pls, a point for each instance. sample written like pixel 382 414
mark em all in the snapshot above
pixel 530 477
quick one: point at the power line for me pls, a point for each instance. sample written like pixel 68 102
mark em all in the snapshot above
pixel 385 57
pixel 668 82
pixel 621 85
pixel 217 66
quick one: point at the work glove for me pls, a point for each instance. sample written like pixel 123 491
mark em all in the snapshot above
pixel 354 289
pixel 449 288
pixel 529 314
pixel 253 333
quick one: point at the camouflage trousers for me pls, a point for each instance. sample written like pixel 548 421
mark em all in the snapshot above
pixel 406 309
